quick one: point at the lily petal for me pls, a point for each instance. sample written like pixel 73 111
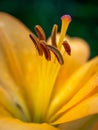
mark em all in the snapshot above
pixel 80 49
pixel 86 123
pixel 87 90
pixel 75 83
pixel 15 43
pixel 10 93
pixel 4 112
pixel 7 123
pixel 18 54
pixel 87 107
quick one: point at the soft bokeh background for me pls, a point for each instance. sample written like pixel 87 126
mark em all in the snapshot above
pixel 47 12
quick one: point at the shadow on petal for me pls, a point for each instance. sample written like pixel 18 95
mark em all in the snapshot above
pixel 86 123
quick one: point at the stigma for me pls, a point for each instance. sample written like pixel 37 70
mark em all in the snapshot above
pixel 39 40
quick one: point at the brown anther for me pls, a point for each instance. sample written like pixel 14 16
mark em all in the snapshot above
pixel 57 54
pixel 53 35
pixel 40 32
pixel 45 49
pixel 36 43
pixel 67 47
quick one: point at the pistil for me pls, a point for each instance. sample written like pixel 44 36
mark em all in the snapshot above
pixel 66 19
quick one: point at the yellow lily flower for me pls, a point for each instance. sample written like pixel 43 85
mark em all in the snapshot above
pixel 45 85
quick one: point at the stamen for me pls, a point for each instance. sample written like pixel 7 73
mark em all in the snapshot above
pixel 36 43
pixel 57 54
pixel 66 19
pixel 40 32
pixel 40 41
pixel 53 35
pixel 67 47
pixel 45 49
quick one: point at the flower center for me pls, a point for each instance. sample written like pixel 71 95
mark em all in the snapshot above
pixel 42 46
pixel 48 73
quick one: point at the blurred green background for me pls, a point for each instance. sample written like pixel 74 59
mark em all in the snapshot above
pixel 48 12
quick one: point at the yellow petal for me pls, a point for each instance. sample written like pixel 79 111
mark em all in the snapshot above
pixel 80 48
pixel 15 124
pixel 66 70
pixel 90 87
pixel 10 93
pixel 18 54
pixel 85 108
pixel 73 85
pixel 15 44
pixel 4 112
pixel 86 123
pixel 15 105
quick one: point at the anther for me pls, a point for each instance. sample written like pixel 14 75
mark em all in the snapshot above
pixel 40 32
pixel 45 49
pixel 67 47
pixel 53 35
pixel 57 54
pixel 36 43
